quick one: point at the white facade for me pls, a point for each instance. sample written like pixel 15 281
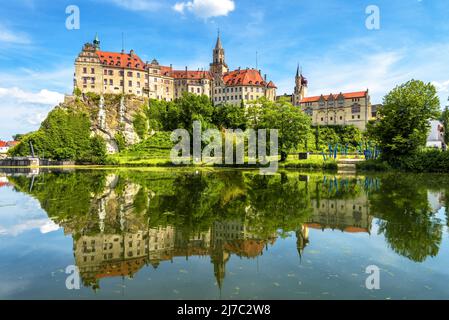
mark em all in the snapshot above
pixel 436 135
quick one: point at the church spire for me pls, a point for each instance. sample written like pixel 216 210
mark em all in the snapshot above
pixel 297 71
pixel 218 44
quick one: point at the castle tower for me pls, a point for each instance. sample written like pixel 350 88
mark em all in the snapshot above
pixel 218 65
pixel 300 87
pixel 96 42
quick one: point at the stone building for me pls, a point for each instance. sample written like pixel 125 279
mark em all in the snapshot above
pixel 104 72
pixel 352 108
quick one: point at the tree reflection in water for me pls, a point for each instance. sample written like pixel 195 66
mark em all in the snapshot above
pixel 123 220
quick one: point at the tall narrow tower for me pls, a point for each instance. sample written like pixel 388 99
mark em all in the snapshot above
pixel 300 88
pixel 218 65
pixel 97 42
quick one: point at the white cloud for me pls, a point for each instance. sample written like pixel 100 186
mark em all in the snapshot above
pixel 23 111
pixel 44 225
pixel 206 8
pixel 378 69
pixel 138 5
pixel 42 97
pixel 441 86
pixel 8 36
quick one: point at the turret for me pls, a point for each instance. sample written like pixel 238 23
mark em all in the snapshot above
pixel 96 42
pixel 218 65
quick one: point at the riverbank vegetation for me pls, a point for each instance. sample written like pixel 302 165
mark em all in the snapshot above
pixel 402 129
pixel 64 135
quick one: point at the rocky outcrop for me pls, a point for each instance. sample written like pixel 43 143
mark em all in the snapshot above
pixel 111 116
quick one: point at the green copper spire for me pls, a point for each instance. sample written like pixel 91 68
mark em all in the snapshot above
pixel 97 42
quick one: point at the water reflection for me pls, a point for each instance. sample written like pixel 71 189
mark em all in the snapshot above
pixel 124 220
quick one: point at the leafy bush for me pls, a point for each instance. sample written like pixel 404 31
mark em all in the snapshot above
pixel 120 140
pixel 64 135
pixel 373 165
pixel 141 125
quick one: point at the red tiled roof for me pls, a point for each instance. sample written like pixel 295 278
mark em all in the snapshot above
pixel 166 71
pixel 121 60
pixel 271 85
pixel 12 143
pixel 356 230
pixel 3 144
pixel 348 95
pixel 246 77
pixel 193 75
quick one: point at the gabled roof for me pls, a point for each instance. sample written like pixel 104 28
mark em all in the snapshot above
pixel 246 77
pixel 3 144
pixel 121 60
pixel 348 95
pixel 271 85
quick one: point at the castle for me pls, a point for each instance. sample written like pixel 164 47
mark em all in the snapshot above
pixel 104 72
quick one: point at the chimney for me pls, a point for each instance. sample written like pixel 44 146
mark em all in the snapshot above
pixel 171 66
pixel 265 77
pixel 131 53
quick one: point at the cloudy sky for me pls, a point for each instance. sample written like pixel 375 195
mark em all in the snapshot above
pixel 329 39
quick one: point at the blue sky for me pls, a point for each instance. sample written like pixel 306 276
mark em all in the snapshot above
pixel 327 37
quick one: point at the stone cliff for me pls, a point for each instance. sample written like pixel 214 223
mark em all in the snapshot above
pixel 112 116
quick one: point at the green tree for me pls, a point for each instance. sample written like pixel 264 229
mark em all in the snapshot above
pixel 64 135
pixel 229 116
pixel 193 107
pixel 404 119
pixel 293 125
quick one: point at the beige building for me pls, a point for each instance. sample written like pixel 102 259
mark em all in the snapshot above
pixel 104 72
pixel 352 108
pixel 342 109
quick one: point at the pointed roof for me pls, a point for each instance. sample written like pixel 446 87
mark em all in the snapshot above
pixel 218 44
pixel 297 71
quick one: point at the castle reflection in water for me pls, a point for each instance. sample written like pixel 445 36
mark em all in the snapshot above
pixel 120 244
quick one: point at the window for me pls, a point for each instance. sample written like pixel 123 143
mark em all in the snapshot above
pixel 92 70
pixel 122 83
pixel 198 90
pixel 121 73
pixel 332 118
pixel 105 81
pixel 355 108
pixel 341 118
pixel 84 70
pixel 322 119
pixel 92 80
pixel 105 72
pixel 111 82
pixel 111 72
pixel 138 84
pixel 138 74
pixel 130 83
pixel 130 74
